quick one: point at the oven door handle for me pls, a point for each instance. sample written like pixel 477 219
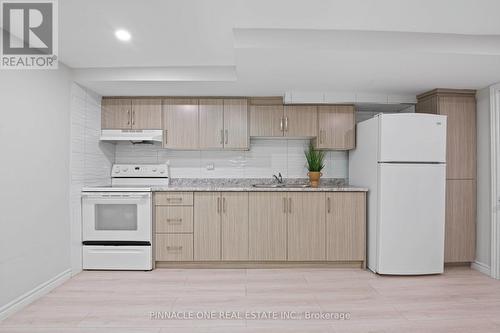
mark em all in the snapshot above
pixel 124 196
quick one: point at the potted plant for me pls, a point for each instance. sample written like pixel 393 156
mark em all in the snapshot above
pixel 315 163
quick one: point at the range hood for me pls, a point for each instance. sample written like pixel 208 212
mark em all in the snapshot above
pixel 135 136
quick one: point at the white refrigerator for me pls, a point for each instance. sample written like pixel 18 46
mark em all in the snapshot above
pixel 401 158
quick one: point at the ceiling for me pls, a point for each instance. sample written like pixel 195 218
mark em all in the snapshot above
pixel 256 47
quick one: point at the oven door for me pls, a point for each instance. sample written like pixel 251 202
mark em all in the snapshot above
pixel 116 216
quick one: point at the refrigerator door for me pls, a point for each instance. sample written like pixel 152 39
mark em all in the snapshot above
pixel 412 137
pixel 411 219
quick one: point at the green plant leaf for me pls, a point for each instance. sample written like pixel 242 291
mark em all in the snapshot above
pixel 315 159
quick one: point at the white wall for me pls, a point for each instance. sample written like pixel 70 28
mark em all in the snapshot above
pixel 91 160
pixel 483 239
pixel 265 158
pixel 34 180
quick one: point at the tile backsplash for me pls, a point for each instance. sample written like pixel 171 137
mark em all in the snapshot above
pixel 265 158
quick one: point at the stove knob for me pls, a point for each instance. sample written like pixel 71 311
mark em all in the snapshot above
pixel 117 171
pixel 154 169
pixel 125 169
pixel 162 171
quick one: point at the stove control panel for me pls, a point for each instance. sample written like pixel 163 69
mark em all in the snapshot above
pixel 140 170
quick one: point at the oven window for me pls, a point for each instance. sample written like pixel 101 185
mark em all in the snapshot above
pixel 115 217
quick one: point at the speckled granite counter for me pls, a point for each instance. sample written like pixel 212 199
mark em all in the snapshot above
pixel 246 185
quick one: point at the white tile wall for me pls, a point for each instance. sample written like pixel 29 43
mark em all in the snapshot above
pixel 90 160
pixel 265 158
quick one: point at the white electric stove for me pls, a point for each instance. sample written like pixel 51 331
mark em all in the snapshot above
pixel 117 219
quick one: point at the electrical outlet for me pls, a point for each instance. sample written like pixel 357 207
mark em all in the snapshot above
pixel 210 166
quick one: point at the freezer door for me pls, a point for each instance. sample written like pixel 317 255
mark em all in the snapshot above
pixel 412 137
pixel 411 218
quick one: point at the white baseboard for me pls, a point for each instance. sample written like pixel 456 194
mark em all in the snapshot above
pixel 480 267
pixel 34 294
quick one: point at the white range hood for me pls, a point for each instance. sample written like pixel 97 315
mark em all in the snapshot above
pixel 132 135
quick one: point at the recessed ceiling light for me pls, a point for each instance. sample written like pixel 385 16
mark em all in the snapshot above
pixel 123 35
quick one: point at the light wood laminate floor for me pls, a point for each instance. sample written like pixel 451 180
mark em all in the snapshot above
pixel 461 300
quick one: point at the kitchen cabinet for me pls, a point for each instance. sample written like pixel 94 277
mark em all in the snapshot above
pixel 180 123
pixel 460 108
pixel 267 226
pixel 125 113
pixel 234 223
pixel 336 127
pixel 236 128
pixel 300 121
pixel 211 123
pixel 460 230
pixel 146 113
pixel 266 120
pixel 116 113
pixel 345 226
pixel 306 226
pixel 221 226
pixel 207 226
pixel 174 247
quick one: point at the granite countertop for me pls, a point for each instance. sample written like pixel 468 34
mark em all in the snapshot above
pixel 246 185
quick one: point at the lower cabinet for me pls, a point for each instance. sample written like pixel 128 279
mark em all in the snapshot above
pixel 345 226
pixel 267 226
pixel 220 226
pixel 306 226
pixel 174 247
pixel 262 226
pixel 460 226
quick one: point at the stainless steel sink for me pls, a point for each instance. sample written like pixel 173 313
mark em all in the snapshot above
pixel 268 185
pixel 297 185
pixel 281 185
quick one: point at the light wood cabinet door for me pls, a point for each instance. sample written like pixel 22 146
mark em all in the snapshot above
pixel 336 127
pixel 174 219
pixel 461 135
pixel 236 131
pixel 146 113
pixel 180 122
pixel 207 226
pixel 266 120
pixel 301 120
pixel 345 226
pixel 234 226
pixel 116 113
pixel 174 247
pixel 267 226
pixel 211 123
pixel 306 226
pixel 460 230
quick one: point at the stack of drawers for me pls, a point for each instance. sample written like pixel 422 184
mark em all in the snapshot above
pixel 174 226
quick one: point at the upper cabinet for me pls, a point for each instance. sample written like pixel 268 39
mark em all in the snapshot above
pixel 266 120
pixel 300 120
pixel 125 113
pixel 180 123
pixel 209 123
pixel 236 129
pixel 336 127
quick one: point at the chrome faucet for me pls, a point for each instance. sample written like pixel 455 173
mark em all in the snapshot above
pixel 278 178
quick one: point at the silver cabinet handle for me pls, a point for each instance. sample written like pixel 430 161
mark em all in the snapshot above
pixel 320 136
pixel 284 205
pixel 290 205
pixel 328 205
pixel 286 124
pixel 174 199
pixel 128 116
pixel 223 205
pixel 281 124
pixel 218 205
pixel 227 137
pixel 174 248
pixel 174 221
pixel 165 138
pixel 221 136
pixel 133 117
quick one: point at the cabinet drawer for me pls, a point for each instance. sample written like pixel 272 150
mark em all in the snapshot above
pixel 174 247
pixel 174 219
pixel 174 199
